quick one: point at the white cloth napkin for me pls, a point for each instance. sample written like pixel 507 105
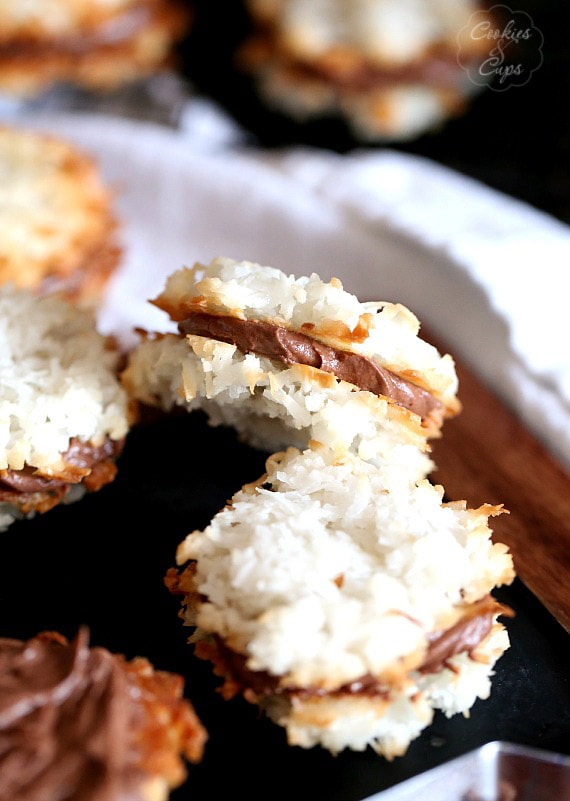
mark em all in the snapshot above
pixel 484 272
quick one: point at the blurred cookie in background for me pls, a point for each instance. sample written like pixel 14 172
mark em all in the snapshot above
pixel 81 722
pixel 96 44
pixel 59 226
pixel 389 68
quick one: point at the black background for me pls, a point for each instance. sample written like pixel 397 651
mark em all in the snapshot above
pixel 101 562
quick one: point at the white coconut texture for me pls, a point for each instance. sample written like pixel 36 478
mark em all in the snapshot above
pixel 273 407
pixel 58 381
pixel 332 569
pixel 389 724
pixel 385 332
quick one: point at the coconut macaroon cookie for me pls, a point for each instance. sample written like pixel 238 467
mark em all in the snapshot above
pixel 64 415
pixel 346 603
pixel 389 67
pixel 95 44
pixel 286 360
pixel 59 225
pixel 81 722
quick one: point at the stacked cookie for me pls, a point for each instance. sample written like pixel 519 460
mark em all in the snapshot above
pixel 64 415
pixel 348 604
pixel 95 44
pixel 388 67
pixel 288 360
pixel 339 592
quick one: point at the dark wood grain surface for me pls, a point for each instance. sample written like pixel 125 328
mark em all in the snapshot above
pixel 486 455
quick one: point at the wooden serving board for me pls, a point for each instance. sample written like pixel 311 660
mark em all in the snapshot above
pixel 486 455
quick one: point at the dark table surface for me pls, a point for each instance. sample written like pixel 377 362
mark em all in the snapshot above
pixel 101 562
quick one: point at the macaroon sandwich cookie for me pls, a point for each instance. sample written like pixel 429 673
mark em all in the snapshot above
pixel 81 722
pixel 93 44
pixel 59 225
pixel 287 359
pixel 389 68
pixel 64 415
pixel 347 604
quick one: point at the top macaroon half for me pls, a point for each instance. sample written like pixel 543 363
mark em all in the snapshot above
pixel 305 320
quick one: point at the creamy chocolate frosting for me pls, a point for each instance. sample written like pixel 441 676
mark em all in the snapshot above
pixel 68 722
pixel 92 465
pixel 292 347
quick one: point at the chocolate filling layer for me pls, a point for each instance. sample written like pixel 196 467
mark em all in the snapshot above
pixel 437 72
pixel 292 347
pixel 94 466
pixel 347 69
pixel 67 717
pixel 463 637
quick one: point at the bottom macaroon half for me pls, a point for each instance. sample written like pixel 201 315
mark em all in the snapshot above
pixel 64 415
pixel 347 604
pixel 81 722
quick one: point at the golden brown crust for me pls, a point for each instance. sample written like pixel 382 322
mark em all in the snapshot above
pixel 171 726
pixel 58 216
